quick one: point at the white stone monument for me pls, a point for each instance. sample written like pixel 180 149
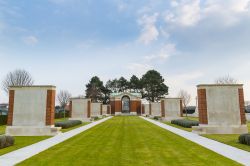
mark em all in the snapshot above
pixel 80 109
pixel 221 109
pixel 105 109
pixel 96 110
pixel 31 111
pixel 171 108
pixel 155 109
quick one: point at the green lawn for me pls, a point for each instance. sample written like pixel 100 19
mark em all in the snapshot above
pixel 230 139
pixel 71 128
pixel 22 141
pixel 179 127
pixel 127 141
pixel 61 119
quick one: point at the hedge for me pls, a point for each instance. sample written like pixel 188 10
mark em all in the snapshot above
pixel 94 118
pixel 157 117
pixel 6 140
pixel 244 139
pixel 3 119
pixel 185 123
pixel 68 123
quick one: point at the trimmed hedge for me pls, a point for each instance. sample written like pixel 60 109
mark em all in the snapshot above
pixel 3 119
pixel 157 117
pixel 68 123
pixel 244 139
pixel 93 118
pixel 6 140
pixel 185 123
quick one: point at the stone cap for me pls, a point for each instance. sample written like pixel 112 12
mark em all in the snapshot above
pixel 172 98
pixel 75 98
pixel 219 85
pixel 50 87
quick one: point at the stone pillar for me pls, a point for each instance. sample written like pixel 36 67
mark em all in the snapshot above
pixel 146 109
pixel 150 109
pixel 171 108
pixel 108 109
pixel 31 111
pixel 80 109
pixel 96 109
pixel 143 109
pixel 155 108
pixel 221 109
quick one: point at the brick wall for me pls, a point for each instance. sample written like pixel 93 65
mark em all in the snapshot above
pixel 70 109
pixel 162 108
pixel 89 109
pixel 202 106
pixel 11 107
pixel 242 106
pixel 181 108
pixel 50 107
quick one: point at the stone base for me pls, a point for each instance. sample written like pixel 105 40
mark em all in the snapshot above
pixel 125 114
pixel 248 116
pixel 168 119
pixel 81 119
pixel 117 113
pixel 208 129
pixel 32 130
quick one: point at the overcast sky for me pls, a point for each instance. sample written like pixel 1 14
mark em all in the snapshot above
pixel 66 42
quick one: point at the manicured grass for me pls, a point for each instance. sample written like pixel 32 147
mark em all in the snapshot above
pixel 229 139
pixel 127 141
pixel 22 141
pixel 179 127
pixel 2 129
pixel 71 128
pixel 61 119
pixel 192 118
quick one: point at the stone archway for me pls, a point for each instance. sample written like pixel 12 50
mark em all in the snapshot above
pixel 125 104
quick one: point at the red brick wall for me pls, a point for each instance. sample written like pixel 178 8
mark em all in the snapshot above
pixel 70 109
pixel 181 108
pixel 118 106
pixel 150 111
pixel 138 107
pixel 162 108
pixel 50 107
pixel 11 107
pixel 133 106
pixel 242 106
pixel 202 106
pixel 88 109
pixel 101 110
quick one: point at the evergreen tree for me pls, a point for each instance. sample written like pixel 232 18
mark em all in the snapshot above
pixel 153 86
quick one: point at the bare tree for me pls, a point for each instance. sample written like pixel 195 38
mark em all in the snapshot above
pixel 186 98
pixel 17 78
pixel 226 80
pixel 63 98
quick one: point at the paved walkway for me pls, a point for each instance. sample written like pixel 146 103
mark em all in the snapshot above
pixel 22 154
pixel 233 153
